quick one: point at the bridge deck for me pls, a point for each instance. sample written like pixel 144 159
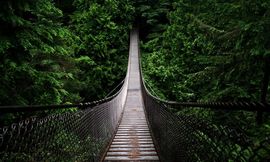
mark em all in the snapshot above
pixel 133 141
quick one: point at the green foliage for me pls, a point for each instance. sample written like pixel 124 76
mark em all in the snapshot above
pixel 54 52
pixel 36 54
pixel 61 52
pixel 102 50
pixel 212 50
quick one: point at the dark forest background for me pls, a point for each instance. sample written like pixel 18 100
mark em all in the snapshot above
pixel 71 51
pixel 62 51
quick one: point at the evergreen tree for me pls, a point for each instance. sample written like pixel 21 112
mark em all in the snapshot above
pixel 36 53
pixel 103 30
pixel 211 50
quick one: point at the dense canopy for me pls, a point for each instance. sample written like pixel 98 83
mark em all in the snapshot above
pixel 71 51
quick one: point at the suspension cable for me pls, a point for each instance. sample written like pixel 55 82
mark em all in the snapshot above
pixel 115 88
pixel 233 106
pixel 27 108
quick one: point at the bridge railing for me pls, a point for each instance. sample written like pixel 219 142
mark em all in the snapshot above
pixel 80 134
pixel 195 134
pixel 213 131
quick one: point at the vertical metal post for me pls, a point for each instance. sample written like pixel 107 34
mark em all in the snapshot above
pixel 265 83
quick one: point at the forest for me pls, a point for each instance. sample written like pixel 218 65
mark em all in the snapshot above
pixel 61 51
pixel 72 51
pixel 55 52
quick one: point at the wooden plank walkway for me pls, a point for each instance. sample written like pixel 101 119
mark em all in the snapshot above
pixel 133 141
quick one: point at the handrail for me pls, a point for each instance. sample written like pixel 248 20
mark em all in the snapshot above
pixel 119 84
pixel 81 135
pixel 27 108
pixel 232 106
pixel 204 135
pixel 16 108
pixel 239 105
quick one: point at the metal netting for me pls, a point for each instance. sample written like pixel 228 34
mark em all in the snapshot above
pixel 194 134
pixel 81 135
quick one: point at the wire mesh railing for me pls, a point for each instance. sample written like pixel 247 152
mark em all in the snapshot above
pixel 207 131
pixel 79 135
pixel 184 136
pixel 214 131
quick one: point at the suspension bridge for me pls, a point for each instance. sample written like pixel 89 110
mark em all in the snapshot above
pixel 132 125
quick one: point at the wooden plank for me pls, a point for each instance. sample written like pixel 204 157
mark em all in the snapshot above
pixel 133 133
pixel 133 129
pixel 152 153
pixel 130 149
pixel 133 126
pixel 130 139
pixel 124 142
pixel 131 146
pixel 120 158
